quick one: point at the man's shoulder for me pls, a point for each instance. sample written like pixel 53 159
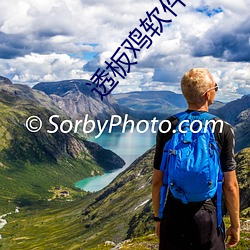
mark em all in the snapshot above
pixel 172 119
pixel 219 122
pixel 227 127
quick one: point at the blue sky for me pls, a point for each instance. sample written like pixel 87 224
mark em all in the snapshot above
pixel 64 39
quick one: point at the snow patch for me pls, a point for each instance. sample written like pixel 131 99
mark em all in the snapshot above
pixel 142 204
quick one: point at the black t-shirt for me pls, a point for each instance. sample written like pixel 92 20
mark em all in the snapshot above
pixel 225 141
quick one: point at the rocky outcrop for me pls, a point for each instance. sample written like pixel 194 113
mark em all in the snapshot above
pixel 232 110
pixel 4 80
pixel 242 130
pixel 76 99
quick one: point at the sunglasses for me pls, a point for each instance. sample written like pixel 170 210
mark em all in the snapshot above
pixel 216 87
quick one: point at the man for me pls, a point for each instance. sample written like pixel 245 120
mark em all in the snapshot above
pixel 194 225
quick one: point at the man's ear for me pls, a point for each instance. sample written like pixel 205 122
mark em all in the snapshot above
pixel 207 95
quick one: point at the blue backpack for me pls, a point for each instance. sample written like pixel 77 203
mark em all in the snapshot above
pixel 191 162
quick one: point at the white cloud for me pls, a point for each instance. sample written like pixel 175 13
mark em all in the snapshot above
pixel 47 40
pixel 34 68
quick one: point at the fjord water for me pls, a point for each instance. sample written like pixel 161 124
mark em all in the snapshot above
pixel 129 146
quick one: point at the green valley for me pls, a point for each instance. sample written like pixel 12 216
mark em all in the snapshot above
pixel 32 163
pixel 38 172
pixel 120 213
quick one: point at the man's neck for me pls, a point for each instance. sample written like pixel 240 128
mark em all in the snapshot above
pixel 198 107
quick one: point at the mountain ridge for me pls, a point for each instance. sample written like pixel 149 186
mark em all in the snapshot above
pixel 230 111
pixel 58 159
pixel 237 113
pixel 76 99
pixel 4 80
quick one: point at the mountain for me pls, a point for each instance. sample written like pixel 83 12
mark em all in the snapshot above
pixel 149 104
pixel 75 98
pixel 242 130
pixel 32 163
pixel 237 114
pixel 167 102
pixel 121 211
pixel 232 110
pixel 38 166
pixel 152 103
pixel 216 105
pixel 4 80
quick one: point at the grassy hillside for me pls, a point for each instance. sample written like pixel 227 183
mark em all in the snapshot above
pixel 51 225
pixel 84 222
pixel 120 212
pixel 243 175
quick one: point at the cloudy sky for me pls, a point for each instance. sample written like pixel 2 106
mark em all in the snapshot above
pixel 54 40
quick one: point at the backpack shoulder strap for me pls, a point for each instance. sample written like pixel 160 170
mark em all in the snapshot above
pixel 182 115
pixel 208 116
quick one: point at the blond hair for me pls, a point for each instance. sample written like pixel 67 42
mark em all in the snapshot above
pixel 195 83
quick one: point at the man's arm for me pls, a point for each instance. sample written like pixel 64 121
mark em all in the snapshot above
pixel 156 187
pixel 231 195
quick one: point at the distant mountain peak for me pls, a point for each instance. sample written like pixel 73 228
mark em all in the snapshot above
pixel 61 88
pixel 75 97
pixel 160 103
pixel 4 80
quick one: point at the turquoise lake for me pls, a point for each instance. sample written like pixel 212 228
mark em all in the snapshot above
pixel 129 146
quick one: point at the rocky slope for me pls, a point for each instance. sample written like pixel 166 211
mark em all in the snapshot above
pixel 76 99
pixel 4 80
pixel 237 114
pixel 125 206
pixel 242 130
pixel 232 110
